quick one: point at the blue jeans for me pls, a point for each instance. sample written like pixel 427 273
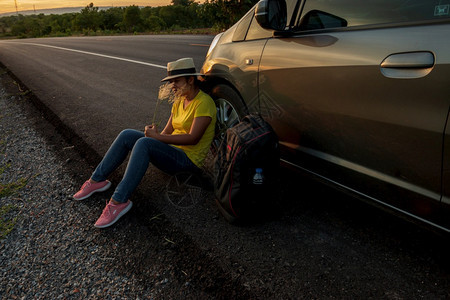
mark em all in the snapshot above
pixel 144 150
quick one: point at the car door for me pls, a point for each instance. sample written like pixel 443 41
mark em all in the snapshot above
pixel 359 95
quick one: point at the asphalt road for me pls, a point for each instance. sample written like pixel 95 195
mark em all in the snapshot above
pixel 100 85
pixel 317 243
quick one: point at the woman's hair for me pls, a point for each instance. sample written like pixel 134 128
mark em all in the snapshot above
pixel 196 81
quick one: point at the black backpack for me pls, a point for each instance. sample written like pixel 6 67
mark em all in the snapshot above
pixel 246 168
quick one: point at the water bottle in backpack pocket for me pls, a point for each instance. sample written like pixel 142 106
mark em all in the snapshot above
pixel 258 178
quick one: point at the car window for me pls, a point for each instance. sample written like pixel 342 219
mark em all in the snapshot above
pixel 255 31
pixel 321 14
pixel 291 6
pixel 242 26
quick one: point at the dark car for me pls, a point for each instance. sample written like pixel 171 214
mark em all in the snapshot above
pixel 357 91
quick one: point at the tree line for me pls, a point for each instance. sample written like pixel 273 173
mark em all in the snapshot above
pixel 214 15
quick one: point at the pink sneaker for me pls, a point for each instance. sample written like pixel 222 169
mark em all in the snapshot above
pixel 111 213
pixel 89 188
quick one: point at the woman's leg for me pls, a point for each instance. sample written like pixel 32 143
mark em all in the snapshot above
pixel 167 158
pixel 116 154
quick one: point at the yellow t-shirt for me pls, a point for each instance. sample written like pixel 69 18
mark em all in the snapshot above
pixel 201 106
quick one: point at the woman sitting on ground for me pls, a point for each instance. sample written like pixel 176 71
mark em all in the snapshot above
pixel 181 146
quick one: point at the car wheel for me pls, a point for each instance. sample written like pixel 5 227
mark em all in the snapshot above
pixel 230 110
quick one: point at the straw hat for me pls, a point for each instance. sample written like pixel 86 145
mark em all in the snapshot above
pixel 180 68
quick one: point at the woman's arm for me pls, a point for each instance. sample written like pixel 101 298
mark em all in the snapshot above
pixel 198 128
pixel 169 128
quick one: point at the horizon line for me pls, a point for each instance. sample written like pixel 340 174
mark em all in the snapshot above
pixel 67 7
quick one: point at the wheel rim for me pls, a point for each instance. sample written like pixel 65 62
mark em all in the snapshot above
pixel 227 117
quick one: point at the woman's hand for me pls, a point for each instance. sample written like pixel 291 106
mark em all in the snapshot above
pixel 151 131
pixel 198 128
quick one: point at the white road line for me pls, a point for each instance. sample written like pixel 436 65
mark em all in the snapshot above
pixel 200 45
pixel 97 54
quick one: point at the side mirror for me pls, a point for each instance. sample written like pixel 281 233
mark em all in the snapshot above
pixel 271 14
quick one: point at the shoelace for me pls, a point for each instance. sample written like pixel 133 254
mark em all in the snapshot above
pixel 107 209
pixel 86 185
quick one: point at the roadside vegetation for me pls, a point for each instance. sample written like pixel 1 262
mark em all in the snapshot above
pixel 8 212
pixel 212 16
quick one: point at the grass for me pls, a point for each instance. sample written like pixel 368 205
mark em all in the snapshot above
pixel 8 189
pixel 197 31
pixel 8 217
pixel 7 223
pixel 8 212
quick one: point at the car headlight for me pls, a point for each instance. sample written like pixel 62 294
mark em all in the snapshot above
pixel 214 43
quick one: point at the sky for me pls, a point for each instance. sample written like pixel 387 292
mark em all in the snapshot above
pixel 9 5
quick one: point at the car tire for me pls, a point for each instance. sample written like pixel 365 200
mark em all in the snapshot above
pixel 230 111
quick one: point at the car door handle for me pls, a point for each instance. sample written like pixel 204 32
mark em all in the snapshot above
pixel 408 65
